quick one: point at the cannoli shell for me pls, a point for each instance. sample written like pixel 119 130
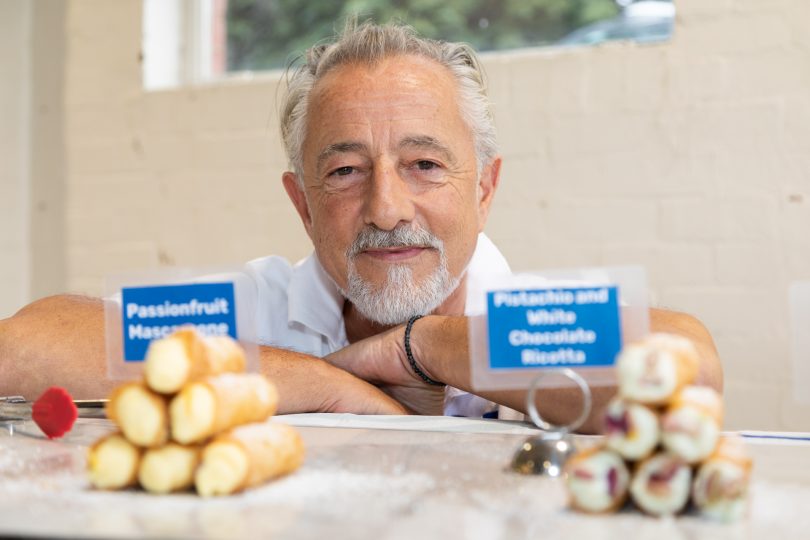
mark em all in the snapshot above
pixel 721 483
pixel 622 479
pixel 112 462
pixel 704 398
pixel 211 405
pixel 142 415
pixel 268 449
pixel 186 355
pixel 640 368
pixel 652 503
pixel 644 429
pixel 169 468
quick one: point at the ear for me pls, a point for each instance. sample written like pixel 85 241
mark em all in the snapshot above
pixel 295 192
pixel 487 185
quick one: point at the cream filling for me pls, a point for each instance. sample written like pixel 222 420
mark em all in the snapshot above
pixel 140 418
pixel 192 412
pixel 223 470
pixel 593 494
pixel 720 490
pixel 113 463
pixel 168 469
pixel 690 433
pixel 661 502
pixel 167 365
pixel 642 437
pixel 646 374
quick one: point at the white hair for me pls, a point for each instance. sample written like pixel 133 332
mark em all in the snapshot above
pixel 369 44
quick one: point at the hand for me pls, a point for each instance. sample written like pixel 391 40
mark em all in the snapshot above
pixel 308 384
pixel 381 360
pixel 345 393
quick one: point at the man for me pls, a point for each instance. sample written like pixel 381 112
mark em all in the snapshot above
pixel 395 166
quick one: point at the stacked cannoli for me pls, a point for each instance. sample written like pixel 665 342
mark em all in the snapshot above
pixel 662 444
pixel 195 420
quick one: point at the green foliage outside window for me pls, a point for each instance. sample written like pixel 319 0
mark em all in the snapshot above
pixel 268 34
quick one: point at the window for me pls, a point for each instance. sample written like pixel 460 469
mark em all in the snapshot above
pixel 188 41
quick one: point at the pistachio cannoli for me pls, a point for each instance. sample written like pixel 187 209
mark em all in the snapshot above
pixel 631 429
pixel 597 480
pixel 690 428
pixel 652 370
pixel 661 484
pixel 720 490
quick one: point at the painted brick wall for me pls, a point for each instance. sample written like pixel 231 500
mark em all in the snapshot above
pixel 691 158
pixel 14 148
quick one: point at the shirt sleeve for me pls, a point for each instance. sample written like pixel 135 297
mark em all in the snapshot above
pixel 460 403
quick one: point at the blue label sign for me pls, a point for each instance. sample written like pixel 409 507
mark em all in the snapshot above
pixel 559 327
pixel 156 311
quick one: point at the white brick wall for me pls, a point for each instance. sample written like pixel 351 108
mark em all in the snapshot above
pixel 14 155
pixel 690 157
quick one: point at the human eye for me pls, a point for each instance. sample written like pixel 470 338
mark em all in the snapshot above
pixel 425 170
pixel 426 165
pixel 343 171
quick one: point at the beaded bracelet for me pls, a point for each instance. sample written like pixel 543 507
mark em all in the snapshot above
pixel 411 359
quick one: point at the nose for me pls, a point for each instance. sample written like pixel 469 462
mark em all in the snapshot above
pixel 388 198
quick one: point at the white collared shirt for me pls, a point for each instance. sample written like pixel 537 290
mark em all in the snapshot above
pixel 300 308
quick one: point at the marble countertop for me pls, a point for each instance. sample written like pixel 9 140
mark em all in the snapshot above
pixel 372 477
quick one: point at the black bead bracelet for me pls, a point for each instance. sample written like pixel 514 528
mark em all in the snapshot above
pixel 411 360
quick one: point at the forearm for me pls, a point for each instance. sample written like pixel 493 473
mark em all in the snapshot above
pixel 441 346
pixel 55 341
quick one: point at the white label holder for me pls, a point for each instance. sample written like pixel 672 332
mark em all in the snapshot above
pixel 571 307
pixel 141 306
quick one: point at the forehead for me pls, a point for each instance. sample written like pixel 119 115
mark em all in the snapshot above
pixel 399 92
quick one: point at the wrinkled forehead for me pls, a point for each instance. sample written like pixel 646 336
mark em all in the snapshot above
pixel 402 91
pixel 401 81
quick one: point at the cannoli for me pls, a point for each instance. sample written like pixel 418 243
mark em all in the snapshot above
pixel 186 355
pixel 690 427
pixel 597 480
pixel 652 370
pixel 721 484
pixel 169 468
pixel 112 462
pixel 141 414
pixel 247 456
pixel 631 429
pixel 206 407
pixel 661 484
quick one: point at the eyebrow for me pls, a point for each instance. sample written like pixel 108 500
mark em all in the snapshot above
pixel 429 143
pixel 339 148
pixel 411 141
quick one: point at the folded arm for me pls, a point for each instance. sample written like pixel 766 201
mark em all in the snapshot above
pixel 59 341
pixel 440 346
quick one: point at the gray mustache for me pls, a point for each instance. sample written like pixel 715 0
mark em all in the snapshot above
pixel 374 238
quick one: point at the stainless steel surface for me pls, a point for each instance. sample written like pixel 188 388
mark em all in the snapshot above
pixel 543 455
pixel 370 483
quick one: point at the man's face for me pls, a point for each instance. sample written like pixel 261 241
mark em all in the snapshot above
pixel 387 150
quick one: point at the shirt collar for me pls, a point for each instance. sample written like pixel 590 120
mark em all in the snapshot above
pixel 315 301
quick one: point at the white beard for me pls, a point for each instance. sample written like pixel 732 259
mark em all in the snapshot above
pixel 400 297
